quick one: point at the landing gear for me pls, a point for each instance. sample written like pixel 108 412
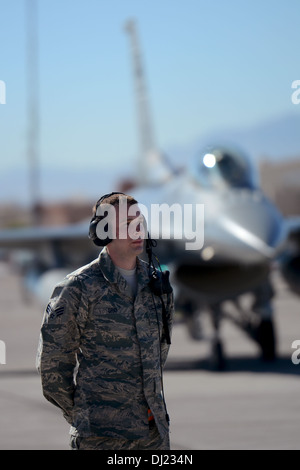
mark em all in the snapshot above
pixel 251 312
pixel 217 358
pixel 192 318
pixel 265 330
pixel 266 340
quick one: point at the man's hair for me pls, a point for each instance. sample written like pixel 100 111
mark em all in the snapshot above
pixel 114 200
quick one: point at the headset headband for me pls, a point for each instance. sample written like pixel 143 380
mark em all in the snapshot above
pixel 108 195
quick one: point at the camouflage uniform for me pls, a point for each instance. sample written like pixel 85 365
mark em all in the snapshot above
pixel 100 355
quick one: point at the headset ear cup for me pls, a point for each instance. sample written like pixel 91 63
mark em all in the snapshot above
pixel 93 234
pixel 95 220
pixel 99 242
pixel 92 229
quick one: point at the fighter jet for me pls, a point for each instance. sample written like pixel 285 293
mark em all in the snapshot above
pixel 219 240
pixel 238 239
pixel 216 256
pixel 238 233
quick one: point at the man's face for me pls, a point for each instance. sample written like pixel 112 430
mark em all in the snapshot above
pixel 130 231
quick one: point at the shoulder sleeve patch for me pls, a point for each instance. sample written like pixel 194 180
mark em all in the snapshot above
pixel 54 312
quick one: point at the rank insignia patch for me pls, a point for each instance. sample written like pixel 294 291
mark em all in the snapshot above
pixel 54 312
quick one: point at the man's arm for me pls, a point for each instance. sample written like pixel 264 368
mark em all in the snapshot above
pixel 170 317
pixel 59 343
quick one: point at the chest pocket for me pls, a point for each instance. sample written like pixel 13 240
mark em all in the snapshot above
pixel 111 320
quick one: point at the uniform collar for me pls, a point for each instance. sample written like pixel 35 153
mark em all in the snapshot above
pixel 107 266
pixel 112 274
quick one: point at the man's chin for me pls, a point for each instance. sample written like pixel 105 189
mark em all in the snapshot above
pixel 138 245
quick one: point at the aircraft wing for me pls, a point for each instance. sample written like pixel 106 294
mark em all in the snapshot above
pixel 30 237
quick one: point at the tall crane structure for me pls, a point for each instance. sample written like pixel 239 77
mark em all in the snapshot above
pixel 143 111
pixel 151 166
pixel 33 108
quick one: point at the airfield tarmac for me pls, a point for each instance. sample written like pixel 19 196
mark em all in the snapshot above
pixel 250 405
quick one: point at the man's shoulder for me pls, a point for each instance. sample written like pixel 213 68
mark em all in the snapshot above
pixel 86 274
pixel 88 271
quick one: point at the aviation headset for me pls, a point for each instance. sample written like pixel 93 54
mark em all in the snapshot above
pixel 158 280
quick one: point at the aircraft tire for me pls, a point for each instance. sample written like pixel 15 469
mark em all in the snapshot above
pixel 217 359
pixel 266 340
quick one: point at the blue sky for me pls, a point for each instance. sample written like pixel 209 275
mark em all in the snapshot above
pixel 209 65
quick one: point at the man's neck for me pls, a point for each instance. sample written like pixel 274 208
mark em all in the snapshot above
pixel 123 262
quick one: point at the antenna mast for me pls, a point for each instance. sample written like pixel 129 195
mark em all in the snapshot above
pixel 33 107
pixel 144 121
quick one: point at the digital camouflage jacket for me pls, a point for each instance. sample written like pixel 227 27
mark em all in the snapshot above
pixel 101 351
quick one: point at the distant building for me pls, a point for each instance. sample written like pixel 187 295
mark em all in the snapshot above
pixel 281 183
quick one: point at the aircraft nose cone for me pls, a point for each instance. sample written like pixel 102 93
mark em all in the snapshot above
pixel 253 221
pixel 260 216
